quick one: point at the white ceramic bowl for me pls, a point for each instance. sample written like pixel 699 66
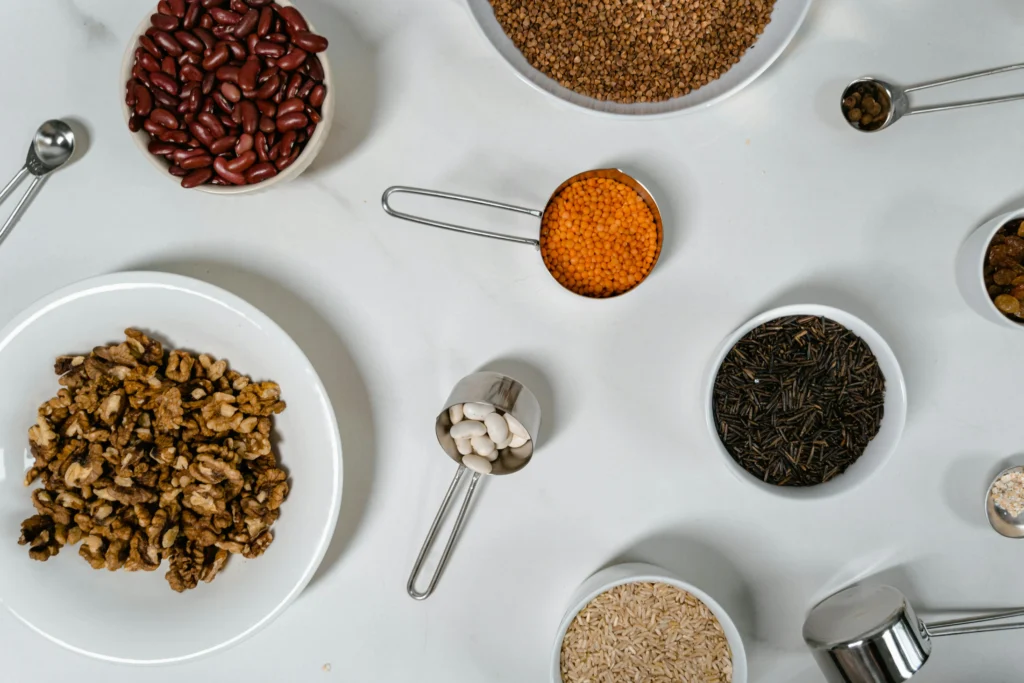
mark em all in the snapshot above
pixel 309 152
pixel 638 572
pixel 878 451
pixel 970 265
pixel 787 17
pixel 136 617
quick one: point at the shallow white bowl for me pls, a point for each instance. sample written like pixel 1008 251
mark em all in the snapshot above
pixel 136 617
pixel 970 267
pixel 638 572
pixel 787 17
pixel 309 152
pixel 879 450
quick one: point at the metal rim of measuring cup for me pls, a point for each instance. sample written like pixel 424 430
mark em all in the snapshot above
pixel 500 391
pixel 895 102
pixel 1001 521
pixel 610 173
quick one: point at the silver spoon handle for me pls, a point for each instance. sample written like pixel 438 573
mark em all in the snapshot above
pixel 964 77
pixel 961 105
pixel 14 182
pixel 410 587
pixel 955 627
pixel 22 205
pixel 385 201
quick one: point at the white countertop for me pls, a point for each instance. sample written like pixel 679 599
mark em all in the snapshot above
pixel 768 199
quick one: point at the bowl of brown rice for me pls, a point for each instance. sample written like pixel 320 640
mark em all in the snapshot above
pixel 639 622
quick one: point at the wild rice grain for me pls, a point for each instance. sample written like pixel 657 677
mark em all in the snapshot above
pixel 646 633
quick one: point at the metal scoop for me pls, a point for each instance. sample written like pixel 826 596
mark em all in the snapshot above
pixel 896 104
pixel 610 173
pixel 51 148
pixel 508 396
pixel 1001 520
pixel 872 634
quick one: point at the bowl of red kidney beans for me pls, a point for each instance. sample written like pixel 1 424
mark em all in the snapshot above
pixel 227 96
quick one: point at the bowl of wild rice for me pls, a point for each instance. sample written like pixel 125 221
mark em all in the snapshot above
pixel 639 622
pixel 639 58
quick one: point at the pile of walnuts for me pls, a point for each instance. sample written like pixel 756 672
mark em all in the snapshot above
pixel 146 456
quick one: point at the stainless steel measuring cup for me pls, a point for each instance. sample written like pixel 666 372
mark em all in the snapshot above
pixel 508 396
pixel 871 634
pixel 609 173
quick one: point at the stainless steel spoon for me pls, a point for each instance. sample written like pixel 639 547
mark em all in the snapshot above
pixel 51 147
pixel 1001 520
pixel 899 104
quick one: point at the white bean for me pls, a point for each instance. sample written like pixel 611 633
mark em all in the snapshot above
pixel 467 429
pixel 455 413
pixel 477 463
pixel 516 427
pixel 482 445
pixel 517 441
pixel 463 446
pixel 504 444
pixel 493 456
pixel 477 411
pixel 497 428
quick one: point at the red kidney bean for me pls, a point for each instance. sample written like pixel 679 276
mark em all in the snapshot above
pixel 169 67
pixel 129 95
pixel 243 144
pixel 164 118
pixel 177 7
pixel 202 133
pixel 140 74
pixel 288 106
pixel 310 42
pixel 286 161
pixel 191 15
pixel 164 22
pixel 217 57
pixel 267 108
pixel 265 48
pixel 307 87
pixel 258 3
pixel 260 172
pixel 196 178
pixel 143 100
pixel 190 41
pixel 266 17
pixel 317 96
pixel 191 73
pixel 278 38
pixel 237 50
pixel 190 57
pixel 164 7
pixel 149 46
pixel 267 73
pixel 134 123
pixel 293 17
pixel 164 82
pixel 177 171
pixel 225 16
pixel 247 24
pixel 249 116
pixel 242 162
pixel 149 62
pixel 206 21
pixel 208 40
pixel 266 90
pixel 195 162
pixel 212 123
pixel 238 6
pixel 314 115
pixel 152 127
pixel 278 97
pixel 291 121
pixel 275 151
pixel 208 82
pixel 220 166
pixel 208 4
pixel 316 69
pixel 167 42
pixel 267 124
pixel 287 142
pixel 178 137
pixel 165 99
pixel 223 32
pixel 182 154
pixel 195 99
pixel 250 42
pixel 293 86
pixel 161 148
pixel 248 73
pixel 222 102
pixel 227 73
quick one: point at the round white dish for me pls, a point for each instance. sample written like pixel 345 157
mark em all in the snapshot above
pixel 787 17
pixel 639 572
pixel 309 152
pixel 879 450
pixel 970 267
pixel 136 617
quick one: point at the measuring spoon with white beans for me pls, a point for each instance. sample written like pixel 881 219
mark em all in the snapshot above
pixel 488 426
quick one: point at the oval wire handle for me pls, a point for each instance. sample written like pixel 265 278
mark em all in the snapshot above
pixel 956 627
pixel 385 202
pixel 410 587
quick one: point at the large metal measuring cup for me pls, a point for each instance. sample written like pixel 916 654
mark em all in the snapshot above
pixel 609 173
pixel 871 634
pixel 508 396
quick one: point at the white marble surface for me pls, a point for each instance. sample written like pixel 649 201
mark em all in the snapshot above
pixel 768 198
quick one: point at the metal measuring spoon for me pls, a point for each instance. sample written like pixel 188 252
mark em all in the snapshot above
pixel 896 104
pixel 52 147
pixel 1000 519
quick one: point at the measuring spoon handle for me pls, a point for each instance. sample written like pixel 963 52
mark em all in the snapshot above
pixel 385 201
pixel 432 534
pixel 22 203
pixel 961 105
pixel 964 77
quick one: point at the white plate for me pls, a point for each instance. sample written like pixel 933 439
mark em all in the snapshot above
pixel 880 448
pixel 787 17
pixel 136 617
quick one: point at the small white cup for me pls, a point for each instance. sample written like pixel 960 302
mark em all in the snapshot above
pixel 970 267
pixel 636 572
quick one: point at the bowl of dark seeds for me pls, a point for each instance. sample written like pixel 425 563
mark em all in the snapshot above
pixel 805 401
